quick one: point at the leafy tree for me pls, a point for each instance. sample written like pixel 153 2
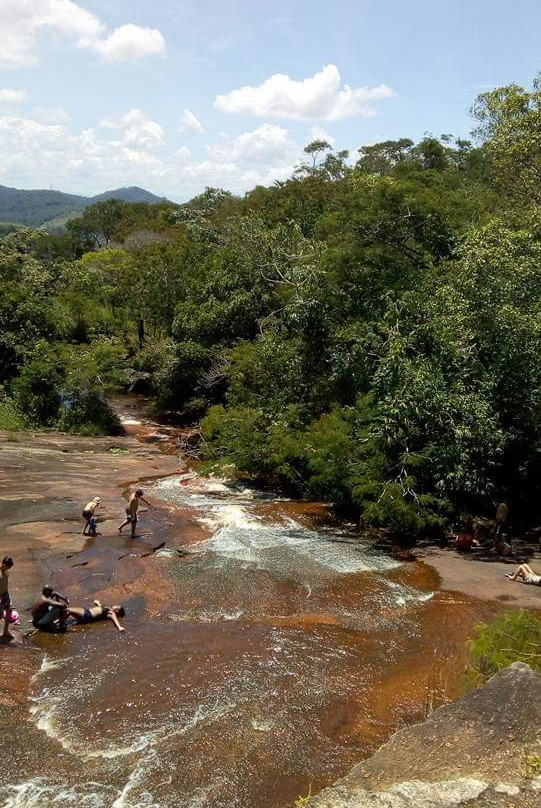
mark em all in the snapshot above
pixel 509 121
pixel 97 224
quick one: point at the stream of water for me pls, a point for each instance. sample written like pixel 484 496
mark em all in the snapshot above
pixel 284 650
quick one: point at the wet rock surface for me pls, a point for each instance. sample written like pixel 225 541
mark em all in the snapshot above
pixel 475 752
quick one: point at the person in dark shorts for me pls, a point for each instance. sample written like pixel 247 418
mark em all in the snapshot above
pixel 5 599
pixel 96 612
pixel 89 514
pixel 49 611
pixel 131 511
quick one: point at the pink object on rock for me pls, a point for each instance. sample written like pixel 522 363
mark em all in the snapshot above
pixel 14 619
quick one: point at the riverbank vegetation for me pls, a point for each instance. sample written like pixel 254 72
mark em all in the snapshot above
pixel 366 332
pixel 512 637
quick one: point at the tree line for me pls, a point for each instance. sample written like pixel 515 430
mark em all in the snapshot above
pixel 366 332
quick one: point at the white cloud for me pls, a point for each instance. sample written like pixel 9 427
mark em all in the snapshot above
pixel 137 131
pixel 128 42
pixel 54 114
pixel 12 96
pixel 22 21
pixel 320 97
pixel 252 158
pixel 189 123
pixel 132 150
pixel 318 133
pixel 34 154
pixel 266 144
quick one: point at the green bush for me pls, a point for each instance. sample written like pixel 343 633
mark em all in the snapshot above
pixel 11 418
pixel 180 381
pixel 88 413
pixel 513 637
pixel 37 392
pixel 99 365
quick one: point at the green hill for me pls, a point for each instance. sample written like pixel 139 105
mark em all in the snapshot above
pixel 38 207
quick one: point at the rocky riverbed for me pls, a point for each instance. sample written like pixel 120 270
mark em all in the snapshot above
pixel 267 650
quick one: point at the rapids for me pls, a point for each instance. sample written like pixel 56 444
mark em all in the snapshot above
pixel 285 649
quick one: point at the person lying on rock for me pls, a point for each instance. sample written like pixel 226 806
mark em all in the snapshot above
pixel 5 599
pixel 89 514
pixel 85 614
pixel 49 611
pixel 131 511
pixel 525 575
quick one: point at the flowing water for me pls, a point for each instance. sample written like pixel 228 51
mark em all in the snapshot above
pixel 283 649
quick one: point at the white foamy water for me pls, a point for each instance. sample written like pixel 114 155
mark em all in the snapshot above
pixel 49 664
pixel 127 421
pixel 239 534
pixel 41 793
pixel 405 595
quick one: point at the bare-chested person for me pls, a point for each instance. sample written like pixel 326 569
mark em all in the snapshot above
pixel 91 614
pixel 5 599
pixel 89 513
pixel 49 610
pixel 131 511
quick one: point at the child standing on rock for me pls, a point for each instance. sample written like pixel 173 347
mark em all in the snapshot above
pixel 5 599
pixel 89 514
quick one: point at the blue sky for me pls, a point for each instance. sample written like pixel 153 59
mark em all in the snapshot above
pixel 175 95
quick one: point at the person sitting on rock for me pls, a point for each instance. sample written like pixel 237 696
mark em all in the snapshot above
pixel 85 614
pixel 49 611
pixel 89 515
pixel 467 539
pixel 525 574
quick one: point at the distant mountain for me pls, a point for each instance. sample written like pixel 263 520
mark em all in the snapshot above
pixel 35 208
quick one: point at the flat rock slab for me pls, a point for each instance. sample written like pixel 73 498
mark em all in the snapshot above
pixel 484 579
pixel 474 752
pixel 45 479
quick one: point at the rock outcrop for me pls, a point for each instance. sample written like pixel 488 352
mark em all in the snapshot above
pixel 482 751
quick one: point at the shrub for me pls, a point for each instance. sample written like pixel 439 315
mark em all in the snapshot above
pixel 88 413
pixel 11 418
pixel 513 637
pixel 37 392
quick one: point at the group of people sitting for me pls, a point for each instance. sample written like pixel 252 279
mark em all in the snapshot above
pixel 499 534
pixel 52 612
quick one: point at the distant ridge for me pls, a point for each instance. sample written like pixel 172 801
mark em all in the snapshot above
pixel 35 208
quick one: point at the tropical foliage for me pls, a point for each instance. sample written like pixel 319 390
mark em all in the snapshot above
pixel 367 332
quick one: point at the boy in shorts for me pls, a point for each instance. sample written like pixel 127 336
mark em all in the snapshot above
pixel 5 599
pixel 131 511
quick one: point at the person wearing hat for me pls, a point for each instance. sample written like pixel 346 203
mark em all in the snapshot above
pixel 89 515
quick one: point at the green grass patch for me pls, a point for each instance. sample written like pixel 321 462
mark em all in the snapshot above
pixel 513 637
pixel 11 417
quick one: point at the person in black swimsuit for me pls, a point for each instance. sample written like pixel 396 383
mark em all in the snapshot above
pixel 91 614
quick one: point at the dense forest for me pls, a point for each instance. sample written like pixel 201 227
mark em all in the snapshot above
pixel 367 332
